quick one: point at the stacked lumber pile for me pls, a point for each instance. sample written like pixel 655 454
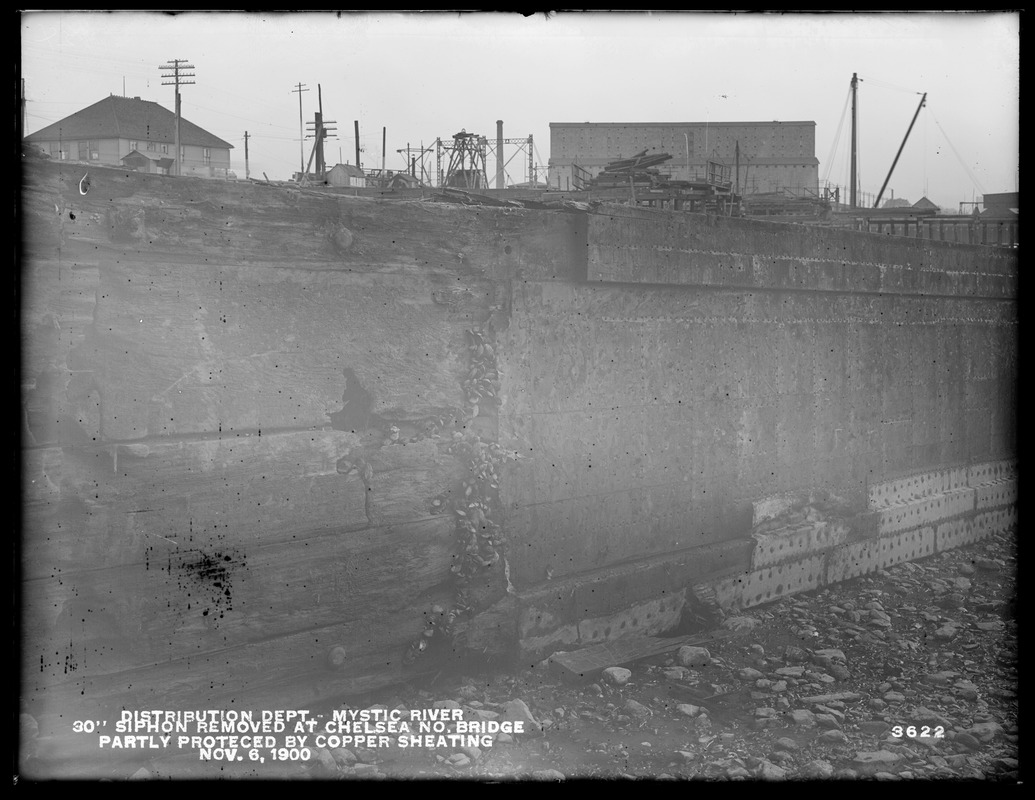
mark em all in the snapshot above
pixel 639 169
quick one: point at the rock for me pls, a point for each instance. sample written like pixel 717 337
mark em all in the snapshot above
pixel 945 633
pixel 846 774
pixel 689 710
pixel 343 757
pixel 770 772
pixel 831 698
pixel 740 623
pixel 802 718
pixel 894 697
pixel 547 775
pixel 619 676
pixel 458 760
pixel 876 704
pixel 922 714
pixel 785 743
pixel 737 773
pixel 874 727
pixel 795 655
pixel 839 672
pixel 940 678
pixel 518 711
pixel 140 775
pixel 831 653
pixel 827 721
pixel 445 704
pixel 472 753
pixel 325 762
pixel 871 762
pixel 636 709
pixel 504 738
pixel 693 656
pixel 817 768
pixel 765 712
pixel 833 737
pixel 676 673
pixel 749 674
pixel 791 672
pixel 985 731
pixel 763 683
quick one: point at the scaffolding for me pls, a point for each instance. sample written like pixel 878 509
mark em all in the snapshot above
pixel 466 168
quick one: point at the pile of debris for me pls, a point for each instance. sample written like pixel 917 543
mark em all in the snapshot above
pixel 638 169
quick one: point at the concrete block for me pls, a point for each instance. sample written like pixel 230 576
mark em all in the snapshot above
pixel 915 487
pixel 772 583
pixel 906 546
pixel 727 593
pixel 796 542
pixel 644 619
pixel 852 560
pixel 957 533
pixel 991 471
pixel 930 510
pixel 993 495
pixel 859 558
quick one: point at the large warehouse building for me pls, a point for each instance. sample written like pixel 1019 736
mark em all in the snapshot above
pixel 774 156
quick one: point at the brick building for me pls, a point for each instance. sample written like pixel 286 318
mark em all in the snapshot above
pixel 773 155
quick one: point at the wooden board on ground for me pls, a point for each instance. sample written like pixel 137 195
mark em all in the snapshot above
pixel 591 661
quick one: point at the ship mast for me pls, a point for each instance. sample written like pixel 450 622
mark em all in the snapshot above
pixel 851 189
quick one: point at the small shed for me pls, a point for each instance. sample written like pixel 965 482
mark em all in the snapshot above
pixel 147 162
pixel 346 175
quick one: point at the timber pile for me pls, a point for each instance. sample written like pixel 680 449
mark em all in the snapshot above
pixel 639 169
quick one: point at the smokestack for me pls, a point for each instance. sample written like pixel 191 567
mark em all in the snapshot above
pixel 499 154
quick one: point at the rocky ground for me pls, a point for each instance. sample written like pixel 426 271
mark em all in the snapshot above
pixel 907 674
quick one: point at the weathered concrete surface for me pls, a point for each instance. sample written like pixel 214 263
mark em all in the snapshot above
pixel 238 404
pixel 261 388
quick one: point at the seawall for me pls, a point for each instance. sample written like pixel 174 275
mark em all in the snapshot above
pixel 275 440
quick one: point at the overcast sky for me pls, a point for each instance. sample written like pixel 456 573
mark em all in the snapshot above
pixel 430 75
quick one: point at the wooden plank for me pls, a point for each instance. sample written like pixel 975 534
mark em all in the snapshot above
pixel 589 662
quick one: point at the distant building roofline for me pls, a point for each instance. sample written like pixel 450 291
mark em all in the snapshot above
pixel 679 124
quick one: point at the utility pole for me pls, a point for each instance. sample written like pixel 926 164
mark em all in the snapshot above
pixel 736 183
pixel 320 131
pixel 499 154
pixel 301 134
pixel 851 189
pixel 178 77
pixel 246 174
pixel 357 144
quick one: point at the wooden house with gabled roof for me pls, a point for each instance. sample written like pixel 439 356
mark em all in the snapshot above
pixel 112 130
